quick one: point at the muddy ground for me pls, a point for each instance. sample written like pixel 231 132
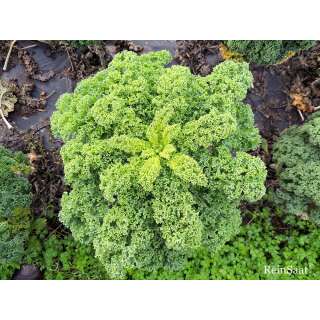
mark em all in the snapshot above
pixel 40 72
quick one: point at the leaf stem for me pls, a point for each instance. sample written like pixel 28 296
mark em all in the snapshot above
pixel 2 114
pixel 301 115
pixel 8 56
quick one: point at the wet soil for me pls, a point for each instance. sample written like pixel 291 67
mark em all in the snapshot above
pixel 200 56
pixel 270 102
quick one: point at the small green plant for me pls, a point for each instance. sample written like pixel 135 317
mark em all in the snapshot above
pixel 296 155
pixel 59 256
pixel 157 160
pixel 267 51
pixel 264 249
pixel 15 201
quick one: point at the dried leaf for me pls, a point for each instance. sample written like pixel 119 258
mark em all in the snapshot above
pixel 300 94
pixel 228 54
pixel 7 98
pixel 286 57
pixel 301 102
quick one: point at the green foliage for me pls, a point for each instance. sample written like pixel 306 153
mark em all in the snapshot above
pixel 157 160
pixel 267 51
pixel 15 201
pixel 57 255
pixel 297 158
pixel 259 245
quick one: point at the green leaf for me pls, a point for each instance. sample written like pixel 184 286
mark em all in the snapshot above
pixel 127 144
pixel 149 172
pixel 187 169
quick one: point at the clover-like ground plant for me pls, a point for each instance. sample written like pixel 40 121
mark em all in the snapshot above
pixel 157 160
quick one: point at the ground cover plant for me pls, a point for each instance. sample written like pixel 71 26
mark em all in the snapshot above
pixel 56 255
pixel 297 158
pixel 267 51
pixel 267 240
pixel 15 199
pixel 157 160
pixel 264 242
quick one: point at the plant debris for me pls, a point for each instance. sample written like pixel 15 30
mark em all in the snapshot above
pixel 227 54
pixel 302 75
pixel 28 62
pixel 46 177
pixel 300 97
pixel 127 45
pixel 4 50
pixel 7 97
pixel 7 101
pixel 32 67
pixel 8 55
pixel 197 54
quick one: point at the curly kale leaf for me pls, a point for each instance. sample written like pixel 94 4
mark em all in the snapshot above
pixel 297 158
pixel 156 158
pixel 267 51
pixel 15 200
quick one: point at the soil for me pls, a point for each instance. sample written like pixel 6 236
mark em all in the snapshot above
pixel 200 56
pixel 28 272
pixel 41 71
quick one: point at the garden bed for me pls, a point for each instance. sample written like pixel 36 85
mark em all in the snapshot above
pixel 282 95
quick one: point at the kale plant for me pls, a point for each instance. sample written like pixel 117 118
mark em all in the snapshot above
pixel 15 200
pixel 267 51
pixel 157 160
pixel 297 158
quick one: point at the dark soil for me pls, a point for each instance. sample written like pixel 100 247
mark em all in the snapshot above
pixel 270 102
pixel 200 56
pixel 28 272
pixel 46 177
pixel 12 139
